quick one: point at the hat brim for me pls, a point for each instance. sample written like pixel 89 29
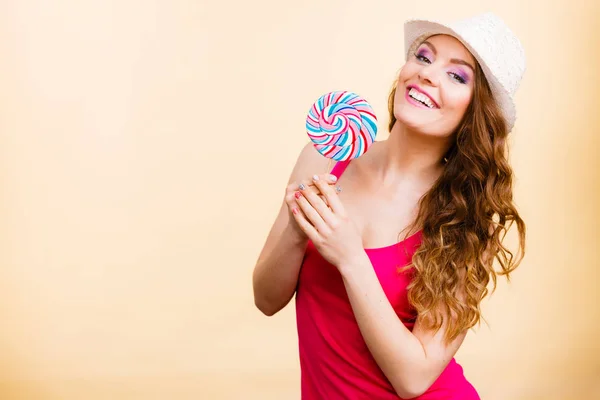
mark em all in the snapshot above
pixel 417 30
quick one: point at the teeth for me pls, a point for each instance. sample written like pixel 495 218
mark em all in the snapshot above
pixel 420 97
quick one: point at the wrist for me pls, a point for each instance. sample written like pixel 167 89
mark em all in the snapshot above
pixel 355 263
pixel 297 237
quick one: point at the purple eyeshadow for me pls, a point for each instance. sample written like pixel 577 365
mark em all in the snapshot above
pixel 462 74
pixel 424 52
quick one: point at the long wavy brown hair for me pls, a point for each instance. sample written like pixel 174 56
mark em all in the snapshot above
pixel 464 219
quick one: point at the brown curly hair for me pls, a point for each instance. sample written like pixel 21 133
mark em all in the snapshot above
pixel 464 218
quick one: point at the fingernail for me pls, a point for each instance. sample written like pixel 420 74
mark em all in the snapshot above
pixel 301 187
pixel 297 195
pixel 332 178
pixel 294 211
pixel 315 177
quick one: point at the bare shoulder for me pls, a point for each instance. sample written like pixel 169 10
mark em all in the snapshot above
pixel 310 162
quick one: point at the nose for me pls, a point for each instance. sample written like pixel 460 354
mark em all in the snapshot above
pixel 428 74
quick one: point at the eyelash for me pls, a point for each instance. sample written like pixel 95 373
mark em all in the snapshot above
pixel 457 77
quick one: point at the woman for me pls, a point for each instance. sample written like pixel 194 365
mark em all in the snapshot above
pixel 382 319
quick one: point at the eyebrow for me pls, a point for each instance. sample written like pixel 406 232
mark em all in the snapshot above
pixel 453 60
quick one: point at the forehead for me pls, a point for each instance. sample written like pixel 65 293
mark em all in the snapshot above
pixel 450 47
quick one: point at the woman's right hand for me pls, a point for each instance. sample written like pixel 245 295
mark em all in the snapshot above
pixel 290 200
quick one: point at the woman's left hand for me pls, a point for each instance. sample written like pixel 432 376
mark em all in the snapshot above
pixel 334 235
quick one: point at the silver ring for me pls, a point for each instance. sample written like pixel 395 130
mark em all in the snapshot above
pixel 338 188
pixel 301 186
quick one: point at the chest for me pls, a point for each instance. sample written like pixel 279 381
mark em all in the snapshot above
pixel 381 217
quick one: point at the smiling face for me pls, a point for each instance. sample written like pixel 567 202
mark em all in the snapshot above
pixel 435 86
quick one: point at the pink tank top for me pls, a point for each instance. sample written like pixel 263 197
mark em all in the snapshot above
pixel 335 362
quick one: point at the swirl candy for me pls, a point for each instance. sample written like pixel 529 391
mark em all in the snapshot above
pixel 341 125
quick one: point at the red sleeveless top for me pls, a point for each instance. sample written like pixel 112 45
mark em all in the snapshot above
pixel 335 361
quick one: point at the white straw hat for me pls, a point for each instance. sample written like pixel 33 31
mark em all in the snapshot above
pixel 491 42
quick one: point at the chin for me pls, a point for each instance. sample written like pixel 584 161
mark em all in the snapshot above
pixel 410 118
pixel 417 122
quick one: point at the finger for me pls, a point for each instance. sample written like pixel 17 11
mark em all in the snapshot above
pixel 291 200
pixel 331 179
pixel 312 195
pixel 324 199
pixel 331 195
pixel 313 216
pixel 291 203
pixel 303 223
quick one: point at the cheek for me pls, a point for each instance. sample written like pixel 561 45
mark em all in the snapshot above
pixel 403 76
pixel 408 70
pixel 458 100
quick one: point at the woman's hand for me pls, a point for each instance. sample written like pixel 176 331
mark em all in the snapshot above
pixel 290 200
pixel 322 217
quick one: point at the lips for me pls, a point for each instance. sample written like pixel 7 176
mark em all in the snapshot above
pixel 418 89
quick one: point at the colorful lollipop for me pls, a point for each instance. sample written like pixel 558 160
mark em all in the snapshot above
pixel 341 125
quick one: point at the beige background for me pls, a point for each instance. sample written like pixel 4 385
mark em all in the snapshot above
pixel 145 147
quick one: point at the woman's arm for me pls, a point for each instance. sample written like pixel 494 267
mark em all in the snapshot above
pixel 275 275
pixel 411 361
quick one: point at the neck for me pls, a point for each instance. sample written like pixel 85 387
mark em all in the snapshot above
pixel 407 154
